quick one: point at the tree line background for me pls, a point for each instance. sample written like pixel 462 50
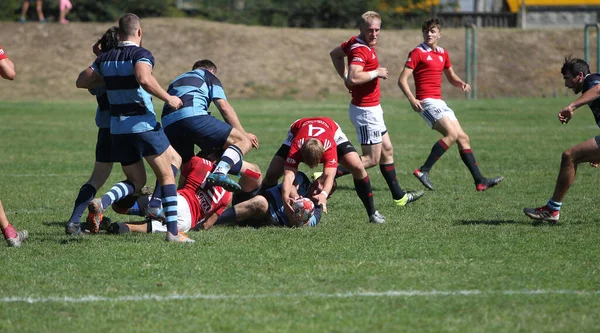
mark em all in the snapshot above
pixel 279 13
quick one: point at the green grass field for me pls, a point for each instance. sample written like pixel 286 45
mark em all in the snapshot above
pixel 455 261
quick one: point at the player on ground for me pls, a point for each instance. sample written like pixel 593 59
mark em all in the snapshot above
pixel 576 73
pixel 427 62
pixel 362 78
pixel 193 123
pixel 197 200
pixel 268 209
pixel 314 141
pixel 127 73
pixel 12 236
pixel 103 164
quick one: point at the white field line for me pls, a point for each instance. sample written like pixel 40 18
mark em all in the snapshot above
pixel 391 293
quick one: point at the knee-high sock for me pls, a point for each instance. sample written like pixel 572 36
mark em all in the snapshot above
pixel 438 149
pixel 469 159
pixel 169 203
pixel 365 193
pixel 341 171
pixel 86 194
pixel 232 155
pixel 389 173
pixel 228 217
pixel 157 194
pixel 117 192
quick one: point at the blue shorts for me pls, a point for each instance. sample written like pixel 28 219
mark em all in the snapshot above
pixel 130 148
pixel 206 131
pixel 103 146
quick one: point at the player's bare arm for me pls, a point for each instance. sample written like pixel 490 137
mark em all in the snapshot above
pixel 338 58
pixel 88 79
pixel 403 84
pixel 329 176
pixel 357 75
pixel 287 195
pixel 7 69
pixel 589 96
pixel 230 117
pixel 143 74
pixel 455 80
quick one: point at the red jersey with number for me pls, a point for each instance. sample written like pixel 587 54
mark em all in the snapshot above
pixel 427 65
pixel 359 53
pixel 2 54
pixel 203 199
pixel 320 128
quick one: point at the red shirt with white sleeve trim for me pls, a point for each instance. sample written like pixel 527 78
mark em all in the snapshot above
pixel 359 53
pixel 320 128
pixel 203 198
pixel 427 65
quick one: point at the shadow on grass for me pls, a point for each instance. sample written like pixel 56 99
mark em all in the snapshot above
pixel 56 224
pixel 487 222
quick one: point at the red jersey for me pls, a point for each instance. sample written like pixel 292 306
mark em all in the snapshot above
pixel 359 53
pixel 2 54
pixel 203 199
pixel 427 65
pixel 320 128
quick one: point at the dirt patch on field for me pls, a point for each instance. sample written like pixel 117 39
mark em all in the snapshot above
pixel 275 62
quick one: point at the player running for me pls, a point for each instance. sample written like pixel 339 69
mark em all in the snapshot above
pixel 427 62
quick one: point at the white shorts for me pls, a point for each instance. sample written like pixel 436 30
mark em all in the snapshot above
pixel 368 122
pixel 184 217
pixel 339 137
pixel 434 110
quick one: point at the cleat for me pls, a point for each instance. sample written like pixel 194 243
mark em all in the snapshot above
pixel 543 214
pixel 377 218
pixel 156 213
pixel 410 196
pixel 487 183
pixel 16 242
pixel 423 177
pixel 180 238
pixel 95 215
pixel 225 182
pixel 73 228
pixel 316 175
pixel 105 223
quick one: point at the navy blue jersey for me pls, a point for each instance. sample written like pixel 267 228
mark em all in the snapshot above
pixel 197 89
pixel 130 105
pixel 589 82
pixel 103 109
pixel 276 209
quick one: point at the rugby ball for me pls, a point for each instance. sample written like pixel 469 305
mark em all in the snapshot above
pixel 304 209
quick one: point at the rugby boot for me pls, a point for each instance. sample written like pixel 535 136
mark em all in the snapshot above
pixel 423 177
pixel 16 242
pixel 95 215
pixel 377 218
pixel 180 238
pixel 220 179
pixel 487 183
pixel 544 213
pixel 410 196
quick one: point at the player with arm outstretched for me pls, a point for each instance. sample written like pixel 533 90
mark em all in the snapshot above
pixel 313 141
pixel 577 77
pixel 426 63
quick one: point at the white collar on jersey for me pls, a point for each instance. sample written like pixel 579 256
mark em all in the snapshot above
pixel 429 49
pixel 127 43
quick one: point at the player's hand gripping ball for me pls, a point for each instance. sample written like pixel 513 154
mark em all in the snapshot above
pixel 304 209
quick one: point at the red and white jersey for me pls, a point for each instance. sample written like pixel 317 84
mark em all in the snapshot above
pixel 2 54
pixel 427 65
pixel 359 53
pixel 203 198
pixel 320 128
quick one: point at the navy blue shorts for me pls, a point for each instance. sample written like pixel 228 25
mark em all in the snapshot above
pixel 104 146
pixel 206 131
pixel 130 148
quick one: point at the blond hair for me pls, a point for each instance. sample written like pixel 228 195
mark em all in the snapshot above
pixel 312 151
pixel 368 17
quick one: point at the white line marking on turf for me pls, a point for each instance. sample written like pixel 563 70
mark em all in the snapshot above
pixel 390 293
